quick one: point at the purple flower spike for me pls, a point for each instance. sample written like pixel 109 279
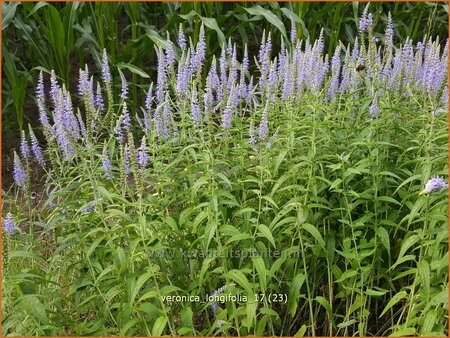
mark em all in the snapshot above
pixel 245 60
pixel 288 85
pixel 335 71
pixel 227 116
pixel 167 117
pixel 252 141
pixel 9 225
pixel 389 30
pixel 106 72
pixel 63 141
pixel 262 48
pixel 40 90
pixel 37 150
pixel 233 72
pixel 43 118
pixel 181 38
pixel 54 87
pixel 123 124
pixel 83 82
pixel 19 174
pixel 183 76
pixel 229 48
pixel 293 33
pixel 106 163
pixel 200 52
pixel 195 108
pixel 126 160
pixel 366 20
pixel 99 103
pixel 149 98
pixel 223 67
pixel 24 147
pixel 264 124
pixel 273 77
pixel 161 77
pixel 81 123
pixel 124 90
pixel 142 154
pixel 158 122
pixel 373 109
pixel 213 77
pixel 434 184
pixel 282 60
pixel 170 54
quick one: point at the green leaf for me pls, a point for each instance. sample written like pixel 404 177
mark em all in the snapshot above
pixel 23 254
pixel 346 275
pixel 269 16
pixel 133 69
pixel 159 326
pixel 388 199
pixel 407 331
pixel 260 267
pixel 156 38
pixel 371 292
pixel 346 324
pixel 240 279
pixel 251 307
pixel 94 245
pixel 322 301
pixel 37 7
pixel 265 232
pixel 294 293
pixel 56 34
pixel 238 238
pixel 301 332
pixel 335 183
pixel 410 241
pixel 402 260
pixel 37 309
pixel 397 297
pixel 278 162
pixel 118 213
pixel 186 317
pixel 210 230
pixel 424 272
pixel 268 311
pixel 315 233
pixel 431 319
pixel 8 12
pixel 103 192
pixel 139 283
pixel 384 238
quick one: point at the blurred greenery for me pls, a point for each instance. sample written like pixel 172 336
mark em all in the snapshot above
pixel 64 36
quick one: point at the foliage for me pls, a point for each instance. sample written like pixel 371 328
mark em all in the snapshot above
pixel 298 184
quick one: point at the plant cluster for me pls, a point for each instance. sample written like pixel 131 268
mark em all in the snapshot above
pixel 60 35
pixel 329 160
